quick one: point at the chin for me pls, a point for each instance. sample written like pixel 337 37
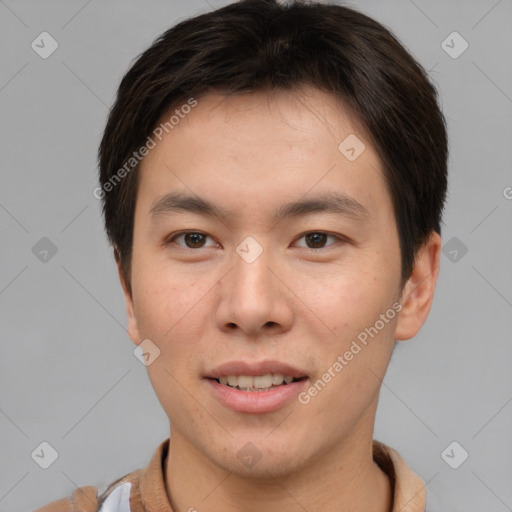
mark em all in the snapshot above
pixel 260 457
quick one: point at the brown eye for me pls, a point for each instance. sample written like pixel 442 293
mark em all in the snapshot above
pixel 317 239
pixel 192 239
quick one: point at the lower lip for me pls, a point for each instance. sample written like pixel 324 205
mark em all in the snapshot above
pixel 256 401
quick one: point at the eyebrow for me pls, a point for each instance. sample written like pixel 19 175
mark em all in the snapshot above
pixel 332 202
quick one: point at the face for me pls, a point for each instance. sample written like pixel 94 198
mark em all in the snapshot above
pixel 234 284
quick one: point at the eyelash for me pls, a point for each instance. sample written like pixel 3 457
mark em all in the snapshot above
pixel 170 239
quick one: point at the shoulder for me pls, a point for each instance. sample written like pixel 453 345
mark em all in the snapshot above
pixel 89 499
pixel 122 495
pixel 83 499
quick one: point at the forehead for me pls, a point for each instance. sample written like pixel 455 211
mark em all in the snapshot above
pixel 265 146
pixel 306 111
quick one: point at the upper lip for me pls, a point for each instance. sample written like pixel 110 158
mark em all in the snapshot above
pixel 255 368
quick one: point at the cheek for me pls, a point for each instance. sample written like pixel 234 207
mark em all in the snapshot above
pixel 349 300
pixel 351 372
pixel 170 307
pixel 172 312
pixel 353 356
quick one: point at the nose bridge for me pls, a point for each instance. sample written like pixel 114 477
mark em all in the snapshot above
pixel 252 276
pixel 250 297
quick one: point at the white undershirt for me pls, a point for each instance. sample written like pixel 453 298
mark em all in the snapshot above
pixel 118 500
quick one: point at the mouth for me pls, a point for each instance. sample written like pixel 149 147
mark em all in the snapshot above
pixel 255 387
pixel 257 383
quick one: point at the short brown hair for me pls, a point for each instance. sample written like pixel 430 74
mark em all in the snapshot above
pixel 255 45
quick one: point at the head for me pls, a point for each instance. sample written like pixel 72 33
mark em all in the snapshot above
pixel 302 151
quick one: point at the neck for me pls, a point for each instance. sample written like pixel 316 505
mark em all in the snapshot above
pixel 346 478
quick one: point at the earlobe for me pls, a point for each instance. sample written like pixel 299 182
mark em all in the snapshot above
pixel 133 330
pixel 419 290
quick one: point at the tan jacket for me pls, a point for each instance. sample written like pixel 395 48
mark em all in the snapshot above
pixel 143 490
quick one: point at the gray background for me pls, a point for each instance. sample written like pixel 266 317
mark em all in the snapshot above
pixel 68 375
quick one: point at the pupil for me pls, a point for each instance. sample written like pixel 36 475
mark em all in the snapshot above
pixel 316 238
pixel 195 238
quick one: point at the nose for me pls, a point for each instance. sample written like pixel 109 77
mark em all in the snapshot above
pixel 254 299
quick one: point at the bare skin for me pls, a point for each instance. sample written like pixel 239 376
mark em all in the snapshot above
pixel 302 301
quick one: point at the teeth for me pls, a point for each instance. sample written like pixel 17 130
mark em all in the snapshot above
pixel 263 381
pixel 277 379
pixel 245 381
pixel 256 383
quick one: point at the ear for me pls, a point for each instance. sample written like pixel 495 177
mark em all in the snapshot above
pixel 418 291
pixel 133 329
